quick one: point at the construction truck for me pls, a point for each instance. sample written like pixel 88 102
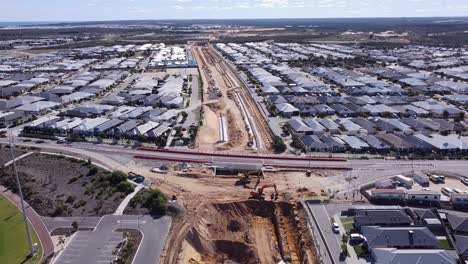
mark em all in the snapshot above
pixel 244 178
pixel 261 196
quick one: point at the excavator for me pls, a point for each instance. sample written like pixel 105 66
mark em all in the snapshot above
pixel 244 178
pixel 261 196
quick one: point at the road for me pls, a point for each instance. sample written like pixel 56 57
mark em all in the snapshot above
pixel 97 246
pixel 323 223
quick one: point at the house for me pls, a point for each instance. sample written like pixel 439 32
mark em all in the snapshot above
pixel 313 143
pixel 413 256
pixel 269 90
pixel 108 126
pixel 329 125
pixel 421 214
pixel 381 217
pixel 461 243
pixel 354 143
pixel 458 223
pixel 399 237
pixel 348 126
pixel 397 143
pixel 287 110
pixel 334 144
pixel 298 127
pixel 375 143
pixel 316 127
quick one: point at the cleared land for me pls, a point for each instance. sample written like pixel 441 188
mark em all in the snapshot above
pixel 61 186
pixel 13 240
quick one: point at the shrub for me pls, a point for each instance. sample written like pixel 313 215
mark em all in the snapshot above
pixel 70 199
pixel 125 187
pixel 117 177
pixel 80 204
pixel 278 145
pixel 92 171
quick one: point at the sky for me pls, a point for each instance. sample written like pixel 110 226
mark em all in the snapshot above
pixel 85 10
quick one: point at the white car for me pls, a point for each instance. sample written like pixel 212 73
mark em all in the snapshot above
pixel 336 228
pixel 465 181
pixel 356 237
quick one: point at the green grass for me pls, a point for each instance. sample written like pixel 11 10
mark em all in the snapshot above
pixel 13 240
pixel 444 244
pixel 347 219
pixel 348 227
pixel 359 250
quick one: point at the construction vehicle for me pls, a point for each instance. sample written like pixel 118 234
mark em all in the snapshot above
pixel 244 178
pixel 261 196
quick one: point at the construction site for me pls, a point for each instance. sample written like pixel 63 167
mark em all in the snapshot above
pixel 238 218
pixel 231 119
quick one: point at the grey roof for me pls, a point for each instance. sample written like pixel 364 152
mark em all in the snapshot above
pixel 424 213
pixel 127 126
pixel 374 142
pixel 458 222
pixel 299 126
pixel 413 256
pixel 381 217
pixel 461 243
pixel 408 237
pixel 108 125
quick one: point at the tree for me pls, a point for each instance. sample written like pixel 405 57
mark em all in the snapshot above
pixel 156 202
pixel 278 145
pixel 117 177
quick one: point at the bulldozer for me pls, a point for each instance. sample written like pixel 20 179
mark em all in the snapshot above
pixel 244 178
pixel 259 195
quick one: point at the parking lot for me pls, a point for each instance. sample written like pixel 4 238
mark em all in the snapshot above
pixel 97 246
pixel 91 247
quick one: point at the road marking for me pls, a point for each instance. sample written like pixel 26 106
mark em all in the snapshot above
pixel 131 222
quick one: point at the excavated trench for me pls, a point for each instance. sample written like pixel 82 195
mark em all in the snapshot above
pixel 249 232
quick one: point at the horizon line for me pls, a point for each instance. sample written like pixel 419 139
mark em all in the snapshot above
pixel 219 19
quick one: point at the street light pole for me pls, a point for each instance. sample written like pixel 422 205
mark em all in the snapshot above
pixel 25 217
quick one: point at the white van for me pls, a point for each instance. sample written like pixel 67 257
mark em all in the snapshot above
pixel 447 191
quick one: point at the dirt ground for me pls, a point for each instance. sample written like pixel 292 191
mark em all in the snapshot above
pixel 5 154
pixel 60 186
pixel 220 224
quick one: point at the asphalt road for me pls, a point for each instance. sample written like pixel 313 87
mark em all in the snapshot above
pixel 97 246
pixel 332 240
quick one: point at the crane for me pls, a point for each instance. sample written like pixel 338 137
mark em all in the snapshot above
pixel 261 196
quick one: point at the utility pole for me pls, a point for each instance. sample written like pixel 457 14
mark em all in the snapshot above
pixel 25 217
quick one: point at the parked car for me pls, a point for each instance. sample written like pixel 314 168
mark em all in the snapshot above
pixel 465 181
pixel 336 228
pixel 356 238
